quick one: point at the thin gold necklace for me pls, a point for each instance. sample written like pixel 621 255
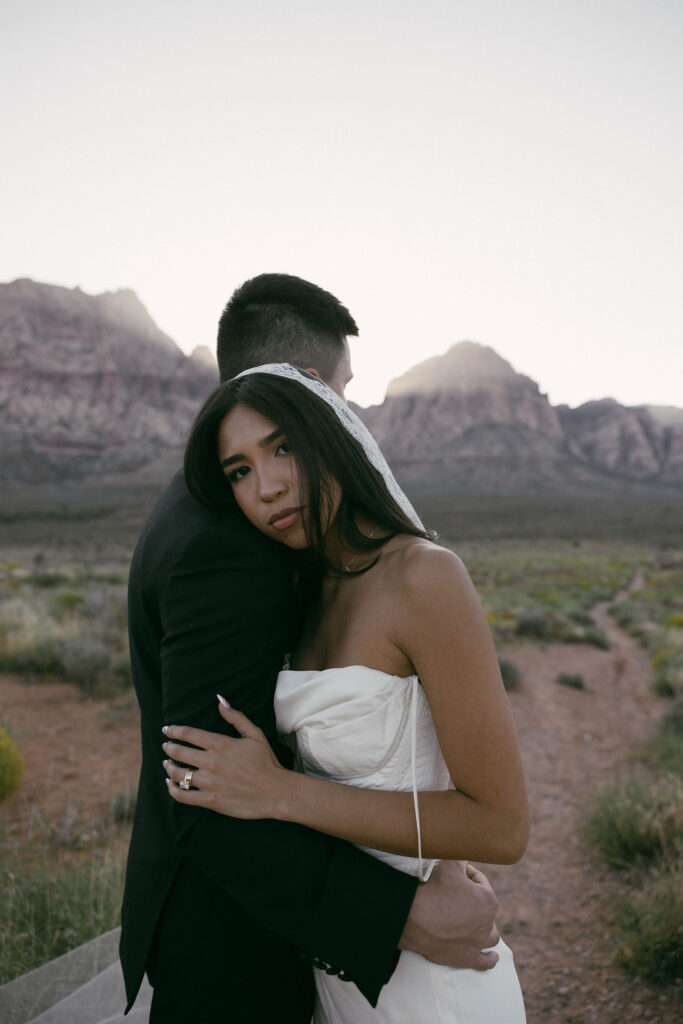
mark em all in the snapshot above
pixel 347 568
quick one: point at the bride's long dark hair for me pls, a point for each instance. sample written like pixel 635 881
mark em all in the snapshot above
pixel 322 447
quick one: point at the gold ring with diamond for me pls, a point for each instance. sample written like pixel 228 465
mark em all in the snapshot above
pixel 187 781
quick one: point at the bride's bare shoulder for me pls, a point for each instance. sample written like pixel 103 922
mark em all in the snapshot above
pixel 429 570
pixel 433 597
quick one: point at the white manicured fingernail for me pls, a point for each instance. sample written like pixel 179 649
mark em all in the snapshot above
pixel 223 701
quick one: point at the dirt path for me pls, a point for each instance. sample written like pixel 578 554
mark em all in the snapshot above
pixel 556 904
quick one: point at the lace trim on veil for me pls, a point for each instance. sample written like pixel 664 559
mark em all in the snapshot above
pixel 352 423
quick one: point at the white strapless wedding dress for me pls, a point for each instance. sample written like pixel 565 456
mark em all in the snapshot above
pixel 367 728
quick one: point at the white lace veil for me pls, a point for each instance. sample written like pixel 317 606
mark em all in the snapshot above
pixel 349 421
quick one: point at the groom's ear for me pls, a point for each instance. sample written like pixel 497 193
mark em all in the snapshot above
pixel 336 383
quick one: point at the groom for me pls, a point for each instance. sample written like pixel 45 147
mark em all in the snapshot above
pixel 225 915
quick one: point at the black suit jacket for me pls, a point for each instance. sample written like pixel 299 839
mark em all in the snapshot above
pixel 208 614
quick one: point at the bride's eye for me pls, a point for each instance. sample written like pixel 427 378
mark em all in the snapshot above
pixel 238 474
pixel 284 448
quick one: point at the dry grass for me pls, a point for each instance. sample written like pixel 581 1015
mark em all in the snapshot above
pixel 66 622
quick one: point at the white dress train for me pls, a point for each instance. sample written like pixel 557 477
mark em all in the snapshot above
pixel 366 728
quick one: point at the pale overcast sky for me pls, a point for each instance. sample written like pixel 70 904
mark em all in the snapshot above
pixel 507 172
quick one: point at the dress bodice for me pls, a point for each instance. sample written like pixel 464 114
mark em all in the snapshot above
pixel 363 727
pixel 367 728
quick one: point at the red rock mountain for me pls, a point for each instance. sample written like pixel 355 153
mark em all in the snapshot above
pixel 89 384
pixel 467 419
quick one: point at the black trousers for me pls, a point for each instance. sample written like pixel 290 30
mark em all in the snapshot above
pixel 211 963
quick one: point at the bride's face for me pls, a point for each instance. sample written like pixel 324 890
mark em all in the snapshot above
pixel 263 474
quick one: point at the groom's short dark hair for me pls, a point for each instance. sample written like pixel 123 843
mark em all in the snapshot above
pixel 278 318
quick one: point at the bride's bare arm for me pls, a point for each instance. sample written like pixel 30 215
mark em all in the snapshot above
pixel 442 629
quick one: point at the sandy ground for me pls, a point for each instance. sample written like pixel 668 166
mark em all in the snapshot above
pixel 79 754
pixel 555 905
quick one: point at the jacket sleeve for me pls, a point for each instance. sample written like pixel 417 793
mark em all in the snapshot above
pixel 224 617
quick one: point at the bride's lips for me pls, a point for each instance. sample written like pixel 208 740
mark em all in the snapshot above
pixel 285 518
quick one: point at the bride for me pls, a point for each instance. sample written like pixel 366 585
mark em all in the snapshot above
pixel 404 739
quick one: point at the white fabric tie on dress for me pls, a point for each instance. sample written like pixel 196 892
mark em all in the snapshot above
pixel 413 757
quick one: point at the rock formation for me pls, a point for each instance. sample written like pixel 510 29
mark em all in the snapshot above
pixel 88 383
pixel 467 419
pixel 90 386
pixel 624 440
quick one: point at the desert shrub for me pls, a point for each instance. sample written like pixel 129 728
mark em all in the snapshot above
pixel 664 657
pixel 66 830
pixel 596 637
pixel 668 667
pixel 84 660
pixel 64 602
pixel 665 753
pixel 574 682
pixel 502 623
pixel 41 659
pixel 669 671
pixel 122 807
pixel 574 628
pixel 635 822
pixel 29 637
pixel 665 750
pixel 533 625
pixel 566 632
pixel 510 673
pixel 44 913
pixel 581 618
pixel 49 580
pixel 622 616
pixel 119 675
pixel 72 830
pixel 662 685
pixel 650 934
pixel 11 765
pixel 672 721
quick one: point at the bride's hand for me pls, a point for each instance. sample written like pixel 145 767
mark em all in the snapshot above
pixel 239 777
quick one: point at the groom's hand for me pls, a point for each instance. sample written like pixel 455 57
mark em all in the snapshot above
pixel 452 918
